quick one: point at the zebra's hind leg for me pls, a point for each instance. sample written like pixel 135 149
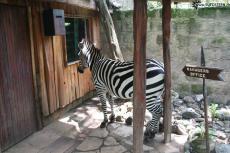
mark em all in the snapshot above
pixel 102 95
pixel 153 125
pixel 111 102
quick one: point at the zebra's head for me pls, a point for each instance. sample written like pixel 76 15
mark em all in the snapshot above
pixel 85 48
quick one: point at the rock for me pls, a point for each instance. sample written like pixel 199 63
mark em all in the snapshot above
pixel 221 135
pixel 99 132
pixel 190 113
pixel 217 98
pixel 109 141
pixel 227 130
pixel 199 145
pixel 177 102
pixel 89 144
pixel 196 108
pixel 199 120
pixel 179 129
pixel 224 114
pixel 181 109
pixel 220 123
pixel 188 99
pixel 119 119
pixel 228 103
pixel 222 148
pixel 199 98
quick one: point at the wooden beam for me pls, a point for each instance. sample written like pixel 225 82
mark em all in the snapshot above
pixel 107 23
pixel 166 20
pixel 140 26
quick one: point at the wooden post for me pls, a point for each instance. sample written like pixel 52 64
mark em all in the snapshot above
pixel 108 25
pixel 166 20
pixel 205 104
pixel 140 26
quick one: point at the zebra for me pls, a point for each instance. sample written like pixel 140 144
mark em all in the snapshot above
pixel 113 78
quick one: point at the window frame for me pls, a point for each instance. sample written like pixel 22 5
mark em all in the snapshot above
pixel 88 36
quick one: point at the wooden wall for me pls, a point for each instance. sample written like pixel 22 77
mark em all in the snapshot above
pixel 59 84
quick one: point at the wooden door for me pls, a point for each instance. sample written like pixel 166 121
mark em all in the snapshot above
pixel 17 111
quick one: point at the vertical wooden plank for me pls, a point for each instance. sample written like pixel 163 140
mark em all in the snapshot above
pixel 7 134
pixel 39 58
pixel 72 83
pixel 37 102
pixel 76 83
pixel 59 64
pixel 68 89
pixel 166 21
pixel 140 27
pixel 49 73
pixel 56 61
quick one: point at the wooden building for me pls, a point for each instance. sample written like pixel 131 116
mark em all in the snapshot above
pixel 38 73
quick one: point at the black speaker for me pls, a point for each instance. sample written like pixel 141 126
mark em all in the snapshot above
pixel 54 22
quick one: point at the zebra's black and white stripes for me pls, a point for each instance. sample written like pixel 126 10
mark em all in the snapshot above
pixel 116 79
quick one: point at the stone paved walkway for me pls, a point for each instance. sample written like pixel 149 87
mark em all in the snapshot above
pixel 77 132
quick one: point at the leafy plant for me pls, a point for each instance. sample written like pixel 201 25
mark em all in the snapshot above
pixel 213 111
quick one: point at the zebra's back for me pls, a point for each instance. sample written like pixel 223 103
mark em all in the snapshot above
pixel 117 77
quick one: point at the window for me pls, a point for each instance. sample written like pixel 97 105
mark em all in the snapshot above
pixel 76 29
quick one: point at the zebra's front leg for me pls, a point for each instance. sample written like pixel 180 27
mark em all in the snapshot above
pixel 102 95
pixel 111 102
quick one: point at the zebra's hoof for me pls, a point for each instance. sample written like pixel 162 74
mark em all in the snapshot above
pixel 112 118
pixel 149 134
pixel 103 124
pixel 129 121
pixel 147 140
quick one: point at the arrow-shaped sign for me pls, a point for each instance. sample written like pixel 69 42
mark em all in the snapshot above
pixel 203 72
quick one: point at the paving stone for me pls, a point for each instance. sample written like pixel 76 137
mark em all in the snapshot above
pixel 58 128
pixel 129 145
pixel 113 126
pixel 95 151
pixel 61 145
pixel 100 133
pixel 42 139
pixel 89 144
pixel 113 149
pixel 122 131
pixel 22 148
pixel 109 141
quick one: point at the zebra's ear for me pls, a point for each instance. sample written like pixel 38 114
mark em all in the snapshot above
pixel 94 44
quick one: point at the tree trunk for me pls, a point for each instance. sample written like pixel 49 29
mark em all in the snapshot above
pixel 108 25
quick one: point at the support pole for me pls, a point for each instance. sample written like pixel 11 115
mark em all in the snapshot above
pixel 166 20
pixel 205 104
pixel 140 26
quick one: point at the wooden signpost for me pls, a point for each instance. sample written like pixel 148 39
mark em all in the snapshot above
pixel 205 73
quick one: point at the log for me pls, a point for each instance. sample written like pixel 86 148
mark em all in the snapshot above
pixel 110 32
pixel 166 20
pixel 140 26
